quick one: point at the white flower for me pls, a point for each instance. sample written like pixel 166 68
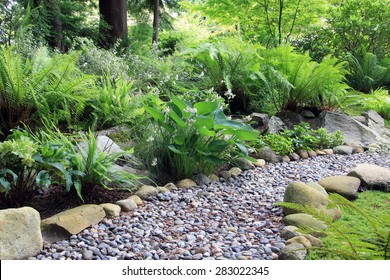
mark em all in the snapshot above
pixel 229 94
pixel 150 139
pixel 154 162
pixel 190 110
pixel 201 74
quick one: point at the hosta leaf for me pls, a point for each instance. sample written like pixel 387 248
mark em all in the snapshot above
pixel 206 107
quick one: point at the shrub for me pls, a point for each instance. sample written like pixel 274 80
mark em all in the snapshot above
pixel 195 138
pixel 327 140
pixel 280 144
pixel 290 79
pixel 302 137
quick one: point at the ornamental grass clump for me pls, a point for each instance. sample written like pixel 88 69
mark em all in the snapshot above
pixel 193 138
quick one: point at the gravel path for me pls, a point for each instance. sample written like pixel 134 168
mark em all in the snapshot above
pixel 232 219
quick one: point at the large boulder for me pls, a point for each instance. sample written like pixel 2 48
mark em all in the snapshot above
pixel 374 121
pixel 289 118
pixel 343 150
pixel 259 121
pixel 346 186
pixel 20 233
pixel 276 125
pixel 372 176
pixel 353 130
pixel 72 221
pixel 300 193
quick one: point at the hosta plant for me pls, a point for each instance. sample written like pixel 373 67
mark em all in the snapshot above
pixel 195 137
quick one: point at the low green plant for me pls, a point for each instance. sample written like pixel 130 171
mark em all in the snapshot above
pixel 377 100
pixel 280 144
pixel 302 137
pixel 326 140
pixel 370 241
pixel 27 165
pixel 195 138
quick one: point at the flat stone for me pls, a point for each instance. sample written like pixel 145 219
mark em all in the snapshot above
pixel 312 153
pixel 20 233
pixel 186 183
pixel 137 200
pixel 372 176
pixel 295 251
pixel 170 186
pixel 244 164
pixel 201 179
pixel 225 174
pixel 127 205
pixel 303 154
pixel 235 171
pixel 111 209
pixel 301 219
pixel 289 232
pixel 345 186
pixel 162 190
pixel 214 178
pixel 328 151
pixel 71 221
pixel 146 191
pixel 320 153
pixel 314 241
pixel 301 240
pixel 343 150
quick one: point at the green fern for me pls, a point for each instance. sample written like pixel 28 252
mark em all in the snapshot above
pixel 351 244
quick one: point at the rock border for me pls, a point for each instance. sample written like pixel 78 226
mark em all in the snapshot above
pixel 55 228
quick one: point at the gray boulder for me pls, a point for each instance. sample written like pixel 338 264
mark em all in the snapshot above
pixel 317 187
pixel 289 232
pixel 343 150
pixel 289 118
pixel 268 155
pixel 20 233
pixel 259 121
pixel 293 251
pixel 186 183
pixel 353 130
pixel 276 125
pixel 72 221
pixel 201 179
pixel 372 176
pixel 127 205
pixel 374 121
pixel 244 164
pixel 300 193
pixel 346 186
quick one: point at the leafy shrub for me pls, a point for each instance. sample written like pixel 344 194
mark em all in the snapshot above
pixel 227 66
pixel 351 244
pixel 377 100
pixel 302 137
pixel 366 73
pixel 194 138
pixel 290 79
pixel 27 165
pixel 326 140
pixel 40 90
pixel 280 144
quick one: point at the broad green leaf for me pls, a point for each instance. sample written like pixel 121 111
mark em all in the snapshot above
pixel 43 179
pixel 177 119
pixel 5 186
pixel 203 121
pixel 218 146
pixel 221 124
pixel 203 131
pixel 242 148
pixel 215 159
pixel 179 103
pixel 174 149
pixel 206 107
pixel 157 116
pixel 246 134
pixel 168 127
pixel 179 140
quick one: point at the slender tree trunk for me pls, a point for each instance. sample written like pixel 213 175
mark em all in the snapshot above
pixel 156 20
pixel 281 4
pixel 113 21
pixel 56 38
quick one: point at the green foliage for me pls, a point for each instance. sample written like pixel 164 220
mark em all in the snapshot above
pixel 367 73
pixel 42 89
pixel 368 241
pixel 378 100
pixel 291 79
pixel 280 144
pixel 326 140
pixel 227 67
pixel 27 165
pixel 353 25
pixel 302 137
pixel 195 138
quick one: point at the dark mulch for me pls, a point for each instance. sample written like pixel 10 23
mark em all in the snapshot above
pixel 57 200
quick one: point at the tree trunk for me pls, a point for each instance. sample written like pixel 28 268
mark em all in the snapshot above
pixel 156 20
pixel 113 21
pixel 56 37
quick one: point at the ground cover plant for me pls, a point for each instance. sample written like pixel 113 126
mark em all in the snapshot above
pixel 363 232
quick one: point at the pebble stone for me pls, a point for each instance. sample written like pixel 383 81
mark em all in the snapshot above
pixel 233 218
